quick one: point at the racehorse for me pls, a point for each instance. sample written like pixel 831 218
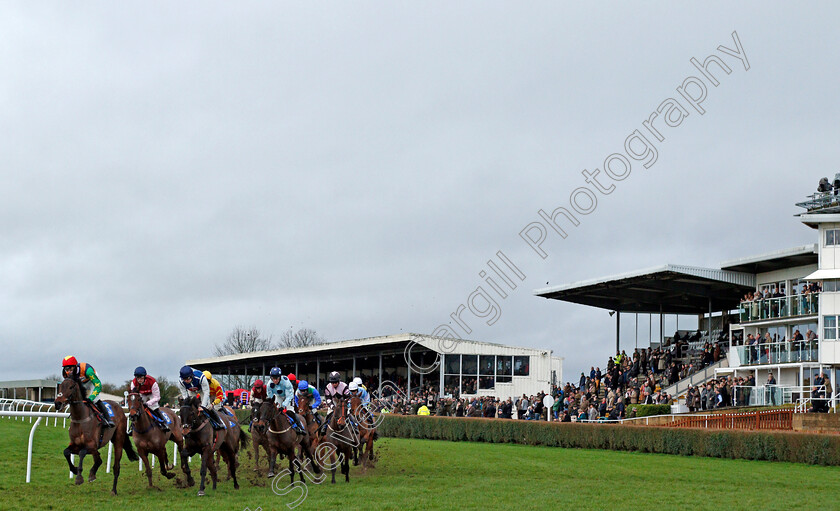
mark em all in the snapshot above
pixel 259 437
pixel 367 431
pixel 87 435
pixel 304 410
pixel 200 437
pixel 150 439
pixel 282 438
pixel 341 435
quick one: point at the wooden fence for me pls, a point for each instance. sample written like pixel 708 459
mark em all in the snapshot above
pixel 773 419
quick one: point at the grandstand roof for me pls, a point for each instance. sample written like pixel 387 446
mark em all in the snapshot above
pixel 673 289
pixel 787 258
pixel 342 350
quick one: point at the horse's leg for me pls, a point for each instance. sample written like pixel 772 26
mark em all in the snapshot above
pixel 185 465
pixel 67 453
pixel 82 454
pixel 272 459
pixel 163 457
pixel 256 445
pixel 147 467
pixel 214 471
pixel 230 459
pixel 97 462
pixel 355 456
pixel 204 455
pixel 117 440
pixel 345 469
pixel 292 465
pixel 332 464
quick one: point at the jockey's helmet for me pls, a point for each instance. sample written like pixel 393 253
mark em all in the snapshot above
pixel 275 372
pixel 140 371
pixel 334 377
pixel 354 386
pixel 303 385
pixel 186 372
pixel 259 383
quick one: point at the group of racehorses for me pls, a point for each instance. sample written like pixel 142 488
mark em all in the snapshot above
pixel 349 433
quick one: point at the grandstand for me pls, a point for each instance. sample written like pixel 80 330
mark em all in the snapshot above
pixel 775 315
pixel 470 368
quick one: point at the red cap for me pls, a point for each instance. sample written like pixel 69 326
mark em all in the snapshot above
pixel 69 360
pixel 292 377
pixel 258 383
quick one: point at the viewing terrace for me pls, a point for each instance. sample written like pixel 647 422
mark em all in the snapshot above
pixel 806 304
pixel 785 352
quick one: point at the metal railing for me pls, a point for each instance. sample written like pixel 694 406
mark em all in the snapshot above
pixel 781 307
pixel 778 352
pixel 696 378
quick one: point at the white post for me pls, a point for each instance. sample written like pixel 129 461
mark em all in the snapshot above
pixel 140 464
pixel 175 453
pixel 72 463
pixel 152 463
pixel 29 453
pixel 108 464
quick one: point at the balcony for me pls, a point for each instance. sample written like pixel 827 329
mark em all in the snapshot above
pixel 788 352
pixel 780 308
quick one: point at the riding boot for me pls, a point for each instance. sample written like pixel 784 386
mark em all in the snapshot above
pixel 295 425
pixel 161 420
pixel 106 419
pixel 215 419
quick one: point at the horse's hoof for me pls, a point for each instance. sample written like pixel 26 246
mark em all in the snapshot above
pixel 113 493
pixel 235 486
pixel 79 479
pixel 200 493
pixel 270 475
pixel 169 475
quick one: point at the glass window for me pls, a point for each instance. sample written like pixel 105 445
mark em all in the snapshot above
pixel 829 237
pixel 486 382
pixel 504 366
pixel 452 364
pixel 469 364
pixel 504 379
pixel 830 327
pixel 468 385
pixel 521 365
pixel 451 384
pixel 487 365
pixel 830 286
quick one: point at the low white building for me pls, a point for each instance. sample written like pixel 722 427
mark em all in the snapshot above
pixel 448 366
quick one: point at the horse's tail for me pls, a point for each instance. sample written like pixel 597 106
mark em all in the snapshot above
pixel 128 448
pixel 243 439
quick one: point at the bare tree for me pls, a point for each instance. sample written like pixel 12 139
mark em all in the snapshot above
pixel 303 337
pixel 241 340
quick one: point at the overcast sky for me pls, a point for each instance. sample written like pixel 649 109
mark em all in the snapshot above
pixel 172 172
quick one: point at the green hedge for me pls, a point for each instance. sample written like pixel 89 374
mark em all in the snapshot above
pixel 649 410
pixel 736 444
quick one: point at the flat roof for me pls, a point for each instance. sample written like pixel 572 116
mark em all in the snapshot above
pixel 776 260
pixel 18 384
pixel 339 350
pixel 672 289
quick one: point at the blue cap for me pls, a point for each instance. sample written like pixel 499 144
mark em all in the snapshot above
pixel 303 385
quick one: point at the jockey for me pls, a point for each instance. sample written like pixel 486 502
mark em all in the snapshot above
pixel 192 382
pixel 149 391
pixel 258 395
pixel 217 393
pixel 358 381
pixel 335 388
pixel 314 396
pixel 86 376
pixel 280 390
pixel 360 391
